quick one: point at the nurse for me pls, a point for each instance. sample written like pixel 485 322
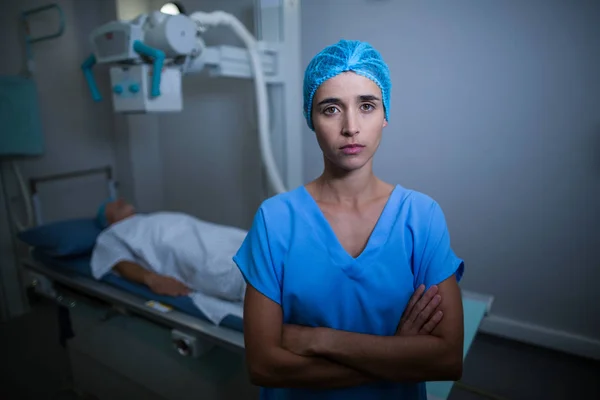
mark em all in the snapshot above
pixel 331 266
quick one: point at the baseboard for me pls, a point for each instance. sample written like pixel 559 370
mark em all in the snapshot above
pixel 541 336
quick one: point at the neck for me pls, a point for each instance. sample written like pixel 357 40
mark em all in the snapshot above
pixel 351 187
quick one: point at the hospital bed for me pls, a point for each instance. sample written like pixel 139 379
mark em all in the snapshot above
pixel 131 321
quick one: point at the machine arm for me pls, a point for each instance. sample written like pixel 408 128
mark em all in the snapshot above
pixel 158 57
pixel 151 53
pixel 86 67
pixel 217 18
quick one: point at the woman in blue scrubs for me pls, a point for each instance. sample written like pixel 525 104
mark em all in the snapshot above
pixel 331 266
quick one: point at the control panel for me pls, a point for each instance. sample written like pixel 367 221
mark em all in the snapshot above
pixel 132 89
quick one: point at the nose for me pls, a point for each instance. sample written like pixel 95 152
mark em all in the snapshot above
pixel 351 125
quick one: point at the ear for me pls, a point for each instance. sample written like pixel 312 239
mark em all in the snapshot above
pixel 385 123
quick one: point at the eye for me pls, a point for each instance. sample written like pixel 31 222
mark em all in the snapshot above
pixel 330 110
pixel 367 107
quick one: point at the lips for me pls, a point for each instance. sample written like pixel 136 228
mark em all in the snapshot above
pixel 352 149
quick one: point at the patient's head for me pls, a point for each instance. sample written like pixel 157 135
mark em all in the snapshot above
pixel 112 211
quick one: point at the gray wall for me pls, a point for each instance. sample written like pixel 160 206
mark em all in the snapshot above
pixel 210 153
pixel 79 134
pixel 495 115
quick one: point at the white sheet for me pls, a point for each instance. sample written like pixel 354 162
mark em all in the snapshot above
pixel 196 252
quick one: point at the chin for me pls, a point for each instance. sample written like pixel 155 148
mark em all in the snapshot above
pixel 350 164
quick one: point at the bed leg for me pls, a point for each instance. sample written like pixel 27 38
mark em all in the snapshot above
pixel 65 329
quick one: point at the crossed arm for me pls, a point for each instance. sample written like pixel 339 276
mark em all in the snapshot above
pixel 293 356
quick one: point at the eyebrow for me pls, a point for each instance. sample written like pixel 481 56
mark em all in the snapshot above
pixel 335 100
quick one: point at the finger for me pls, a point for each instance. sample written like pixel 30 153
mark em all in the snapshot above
pixel 432 323
pixel 416 296
pixel 413 300
pixel 427 312
pixel 422 303
pixel 412 324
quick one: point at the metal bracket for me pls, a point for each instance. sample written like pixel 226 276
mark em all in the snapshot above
pixel 42 286
pixel 234 62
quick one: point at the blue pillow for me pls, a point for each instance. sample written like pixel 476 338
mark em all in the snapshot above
pixel 63 238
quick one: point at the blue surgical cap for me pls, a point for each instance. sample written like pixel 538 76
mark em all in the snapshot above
pixel 346 55
pixel 101 214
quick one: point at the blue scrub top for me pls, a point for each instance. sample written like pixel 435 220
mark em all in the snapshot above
pixel 292 256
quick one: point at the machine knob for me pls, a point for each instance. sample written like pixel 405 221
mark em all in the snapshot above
pixel 134 88
pixel 182 347
pixel 118 89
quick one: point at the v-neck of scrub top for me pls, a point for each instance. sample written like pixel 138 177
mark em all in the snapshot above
pixel 353 266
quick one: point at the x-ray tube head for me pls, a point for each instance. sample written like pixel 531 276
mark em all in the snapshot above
pixel 175 35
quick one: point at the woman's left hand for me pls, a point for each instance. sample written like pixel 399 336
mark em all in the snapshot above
pixel 300 340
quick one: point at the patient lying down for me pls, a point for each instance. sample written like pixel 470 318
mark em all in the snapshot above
pixel 171 253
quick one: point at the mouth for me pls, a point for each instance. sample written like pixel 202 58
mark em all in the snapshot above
pixel 352 149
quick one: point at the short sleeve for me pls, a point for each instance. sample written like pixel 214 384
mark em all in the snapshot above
pixel 435 260
pixel 255 261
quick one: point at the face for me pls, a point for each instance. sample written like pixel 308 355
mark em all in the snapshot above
pixel 118 210
pixel 348 117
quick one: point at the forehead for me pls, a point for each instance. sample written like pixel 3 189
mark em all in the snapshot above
pixel 346 86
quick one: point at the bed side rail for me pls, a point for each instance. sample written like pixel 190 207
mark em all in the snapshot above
pixel 34 183
pixel 217 335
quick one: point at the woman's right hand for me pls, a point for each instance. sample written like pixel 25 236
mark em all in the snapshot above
pixel 421 316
